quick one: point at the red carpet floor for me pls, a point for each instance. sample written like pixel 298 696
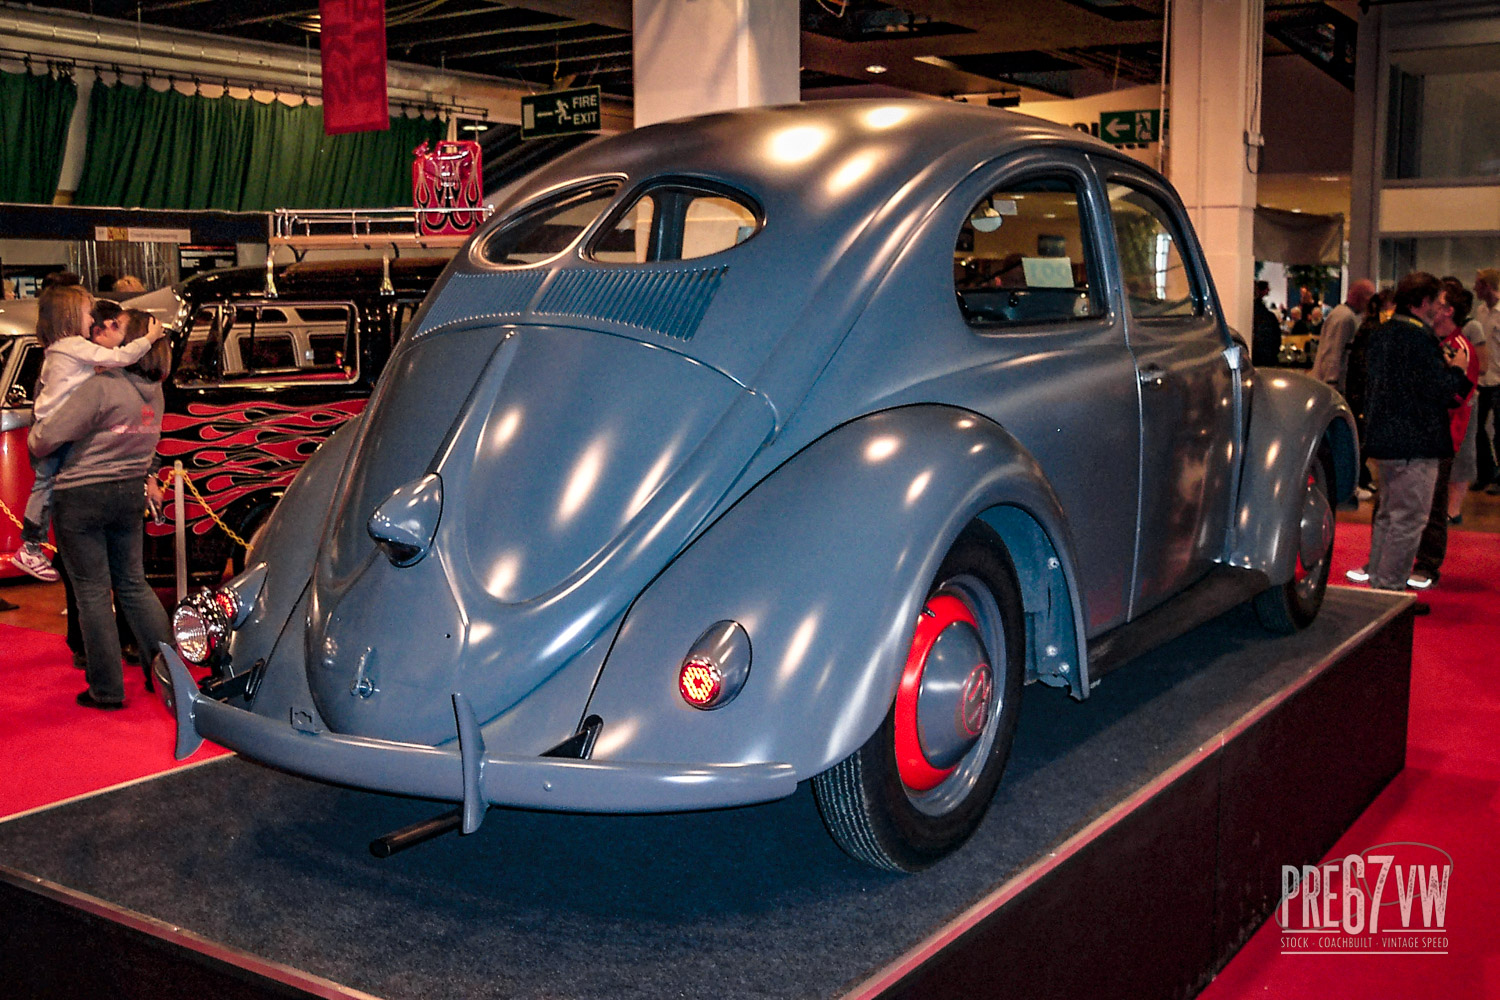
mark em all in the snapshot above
pixel 1448 797
pixel 51 748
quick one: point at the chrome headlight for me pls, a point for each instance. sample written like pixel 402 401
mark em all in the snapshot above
pixel 200 625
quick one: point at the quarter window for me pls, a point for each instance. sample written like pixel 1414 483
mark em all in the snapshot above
pixel 1023 256
pixel 547 231
pixel 676 222
pixel 1157 282
pixel 290 343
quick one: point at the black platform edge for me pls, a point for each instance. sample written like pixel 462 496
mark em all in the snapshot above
pixel 1154 897
pixel 1151 899
pixel 64 944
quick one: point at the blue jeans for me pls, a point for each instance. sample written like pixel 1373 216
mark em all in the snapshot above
pixel 99 535
pixel 39 503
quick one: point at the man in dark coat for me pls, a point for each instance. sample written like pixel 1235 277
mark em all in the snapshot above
pixel 1410 387
pixel 1265 331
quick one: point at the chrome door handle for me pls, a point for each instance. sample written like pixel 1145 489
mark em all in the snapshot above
pixel 1152 375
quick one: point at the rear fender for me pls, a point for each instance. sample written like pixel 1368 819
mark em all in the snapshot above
pixel 1291 416
pixel 826 564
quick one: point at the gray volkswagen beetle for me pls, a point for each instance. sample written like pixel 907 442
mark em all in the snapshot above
pixel 774 446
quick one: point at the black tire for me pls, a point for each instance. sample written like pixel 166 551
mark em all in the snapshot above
pixel 1292 606
pixel 871 813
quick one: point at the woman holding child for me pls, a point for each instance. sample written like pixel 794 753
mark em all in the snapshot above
pixel 108 425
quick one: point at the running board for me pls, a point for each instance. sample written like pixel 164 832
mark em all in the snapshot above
pixel 1223 588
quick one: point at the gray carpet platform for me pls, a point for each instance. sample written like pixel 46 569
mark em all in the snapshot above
pixel 742 903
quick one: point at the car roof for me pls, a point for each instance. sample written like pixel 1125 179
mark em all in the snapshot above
pixel 17 318
pixel 825 157
pixel 315 279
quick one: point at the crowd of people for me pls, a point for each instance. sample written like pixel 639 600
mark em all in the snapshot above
pixel 1411 360
pixel 97 419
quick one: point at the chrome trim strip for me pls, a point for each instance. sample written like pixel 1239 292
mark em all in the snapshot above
pixel 175 769
pixel 163 931
pixel 950 932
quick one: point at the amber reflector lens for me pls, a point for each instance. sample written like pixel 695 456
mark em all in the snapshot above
pixel 699 683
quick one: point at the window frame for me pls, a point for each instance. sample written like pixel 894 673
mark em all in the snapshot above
pixel 299 374
pixel 630 198
pixel 1040 167
pixel 580 192
pixel 1204 304
pixel 28 349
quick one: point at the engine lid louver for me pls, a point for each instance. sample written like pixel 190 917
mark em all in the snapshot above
pixel 667 303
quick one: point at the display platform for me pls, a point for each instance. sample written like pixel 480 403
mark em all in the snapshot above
pixel 1136 841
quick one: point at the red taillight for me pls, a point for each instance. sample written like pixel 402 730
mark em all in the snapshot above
pixel 700 682
pixel 228 604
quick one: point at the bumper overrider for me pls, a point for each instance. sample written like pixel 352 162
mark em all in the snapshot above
pixel 464 771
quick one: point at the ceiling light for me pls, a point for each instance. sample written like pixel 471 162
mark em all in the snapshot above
pixel 875 68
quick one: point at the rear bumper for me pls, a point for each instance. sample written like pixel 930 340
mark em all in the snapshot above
pixel 463 771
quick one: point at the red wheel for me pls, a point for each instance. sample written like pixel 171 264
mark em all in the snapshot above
pixel 919 787
pixel 1287 607
pixel 943 702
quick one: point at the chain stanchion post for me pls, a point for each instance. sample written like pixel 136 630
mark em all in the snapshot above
pixel 179 528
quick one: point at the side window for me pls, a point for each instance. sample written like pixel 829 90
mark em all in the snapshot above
pixel 1024 256
pixel 677 222
pixel 290 343
pixel 547 231
pixel 264 351
pixel 23 390
pixel 1157 282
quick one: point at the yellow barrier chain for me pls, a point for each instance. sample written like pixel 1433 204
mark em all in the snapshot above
pixel 166 484
pixel 188 480
pixel 17 522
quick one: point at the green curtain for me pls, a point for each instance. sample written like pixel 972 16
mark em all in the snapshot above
pixel 34 115
pixel 162 149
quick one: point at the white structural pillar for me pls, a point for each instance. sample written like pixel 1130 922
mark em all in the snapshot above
pixel 698 56
pixel 1215 126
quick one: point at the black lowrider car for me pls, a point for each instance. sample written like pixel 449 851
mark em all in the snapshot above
pixel 263 374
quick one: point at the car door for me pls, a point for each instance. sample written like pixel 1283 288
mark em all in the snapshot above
pixel 1049 356
pixel 1187 377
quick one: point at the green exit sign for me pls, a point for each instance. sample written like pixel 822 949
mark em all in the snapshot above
pixel 560 112
pixel 1120 128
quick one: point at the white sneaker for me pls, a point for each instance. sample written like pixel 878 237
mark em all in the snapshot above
pixel 1419 581
pixel 29 558
pixel 1363 494
pixel 1359 575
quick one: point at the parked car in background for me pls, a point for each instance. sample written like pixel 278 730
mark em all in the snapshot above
pixel 1297 350
pixel 20 364
pixel 261 376
pixel 772 446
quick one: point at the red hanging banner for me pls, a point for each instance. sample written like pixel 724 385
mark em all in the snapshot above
pixel 353 49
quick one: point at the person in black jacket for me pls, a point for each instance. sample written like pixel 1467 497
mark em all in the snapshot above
pixel 1409 387
pixel 1265 331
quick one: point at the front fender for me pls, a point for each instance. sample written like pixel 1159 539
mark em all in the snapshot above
pixel 826 564
pixel 288 544
pixel 1291 415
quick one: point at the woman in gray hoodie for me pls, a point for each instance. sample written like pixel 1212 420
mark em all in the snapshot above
pixel 113 421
